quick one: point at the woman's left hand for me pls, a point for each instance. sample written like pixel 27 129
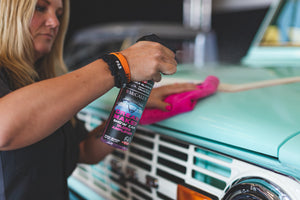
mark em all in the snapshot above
pixel 157 96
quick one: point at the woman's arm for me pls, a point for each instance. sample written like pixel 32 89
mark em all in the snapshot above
pixel 32 113
pixel 92 149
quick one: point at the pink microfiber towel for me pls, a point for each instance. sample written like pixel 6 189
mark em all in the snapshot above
pixel 181 102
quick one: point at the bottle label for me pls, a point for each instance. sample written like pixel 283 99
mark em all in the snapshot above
pixel 126 114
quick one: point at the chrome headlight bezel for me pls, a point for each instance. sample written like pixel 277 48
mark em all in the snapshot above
pixel 255 188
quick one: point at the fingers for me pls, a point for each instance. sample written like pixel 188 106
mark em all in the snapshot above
pixel 158 95
pixel 156 77
pixel 157 103
pixel 177 88
pixel 166 60
pixel 148 60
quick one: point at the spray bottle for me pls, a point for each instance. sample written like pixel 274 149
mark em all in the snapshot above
pixel 127 110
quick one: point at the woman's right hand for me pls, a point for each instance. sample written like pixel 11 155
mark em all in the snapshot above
pixel 147 60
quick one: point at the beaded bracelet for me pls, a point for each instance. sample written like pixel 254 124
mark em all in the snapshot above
pixel 119 68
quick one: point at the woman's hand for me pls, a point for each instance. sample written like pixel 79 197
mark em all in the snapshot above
pixel 147 60
pixel 157 96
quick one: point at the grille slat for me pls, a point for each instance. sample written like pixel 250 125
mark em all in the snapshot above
pixel 139 163
pixel 140 194
pixel 142 142
pixel 172 165
pixel 173 142
pixel 212 159
pixel 141 153
pixel 169 176
pixel 172 158
pixel 173 152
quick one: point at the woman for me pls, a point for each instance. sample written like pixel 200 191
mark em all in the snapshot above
pixel 39 146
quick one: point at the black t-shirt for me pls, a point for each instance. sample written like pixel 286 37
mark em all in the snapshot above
pixel 40 171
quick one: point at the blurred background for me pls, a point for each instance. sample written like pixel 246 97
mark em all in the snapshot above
pixel 234 22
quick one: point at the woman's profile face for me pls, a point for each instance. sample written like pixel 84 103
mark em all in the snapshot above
pixel 45 25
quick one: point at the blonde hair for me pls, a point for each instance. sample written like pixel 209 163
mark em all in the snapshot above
pixel 16 46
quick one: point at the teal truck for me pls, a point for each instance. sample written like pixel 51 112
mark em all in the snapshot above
pixel 242 142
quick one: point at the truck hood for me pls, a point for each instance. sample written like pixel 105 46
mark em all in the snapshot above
pixel 260 120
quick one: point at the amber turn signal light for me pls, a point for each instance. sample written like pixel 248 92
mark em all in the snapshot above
pixel 184 193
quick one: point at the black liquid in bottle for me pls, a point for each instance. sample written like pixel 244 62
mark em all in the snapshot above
pixel 127 110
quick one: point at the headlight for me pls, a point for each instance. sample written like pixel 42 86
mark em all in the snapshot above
pixel 255 188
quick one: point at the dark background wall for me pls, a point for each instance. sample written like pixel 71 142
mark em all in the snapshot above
pixel 90 12
pixel 235 30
